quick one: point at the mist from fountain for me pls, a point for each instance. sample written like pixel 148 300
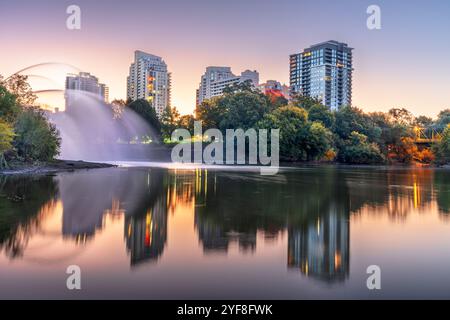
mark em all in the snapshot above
pixel 92 130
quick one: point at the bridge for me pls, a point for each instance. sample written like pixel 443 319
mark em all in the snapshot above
pixel 426 136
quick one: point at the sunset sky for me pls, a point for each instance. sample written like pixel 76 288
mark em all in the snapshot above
pixel 405 64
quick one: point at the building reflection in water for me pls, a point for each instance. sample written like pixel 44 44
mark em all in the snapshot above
pixel 314 211
pixel 320 247
pixel 145 228
pixel 314 207
pixel 215 239
pixel 215 231
pixel 146 235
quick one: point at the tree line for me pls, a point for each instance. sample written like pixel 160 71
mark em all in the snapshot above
pixel 25 133
pixel 311 131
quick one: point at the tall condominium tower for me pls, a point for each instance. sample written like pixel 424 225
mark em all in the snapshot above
pixel 323 71
pixel 149 79
pixel 86 82
pixel 215 79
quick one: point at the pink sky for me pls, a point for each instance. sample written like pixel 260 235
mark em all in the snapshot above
pixel 404 64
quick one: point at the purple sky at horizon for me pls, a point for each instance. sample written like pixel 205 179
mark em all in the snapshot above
pixel 405 64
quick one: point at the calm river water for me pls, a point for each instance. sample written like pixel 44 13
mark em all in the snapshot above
pixel 158 233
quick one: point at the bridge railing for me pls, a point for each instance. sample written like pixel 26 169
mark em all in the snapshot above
pixel 426 135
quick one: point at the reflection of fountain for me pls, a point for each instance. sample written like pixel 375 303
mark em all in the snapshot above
pixel 18 242
pixel 84 202
pixel 38 241
pixel 88 197
pixel 229 209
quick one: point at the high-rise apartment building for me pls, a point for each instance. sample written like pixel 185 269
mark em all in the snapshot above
pixel 104 92
pixel 323 71
pixel 148 79
pixel 86 82
pixel 215 79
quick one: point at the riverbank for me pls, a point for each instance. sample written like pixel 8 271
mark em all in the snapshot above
pixel 19 168
pixel 16 168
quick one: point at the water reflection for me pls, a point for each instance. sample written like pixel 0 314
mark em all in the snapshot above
pixel 146 234
pixel 321 248
pixel 24 203
pixel 313 207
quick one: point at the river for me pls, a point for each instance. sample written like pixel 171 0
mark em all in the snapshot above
pixel 166 233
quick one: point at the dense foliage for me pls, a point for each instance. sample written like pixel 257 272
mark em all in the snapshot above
pixel 442 149
pixel 310 131
pixel 300 139
pixel 25 133
pixel 143 108
pixel 358 150
pixel 36 138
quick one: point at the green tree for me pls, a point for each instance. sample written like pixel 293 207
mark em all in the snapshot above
pixel 392 132
pixel 304 102
pixel 442 149
pixel 9 109
pixel 245 86
pixel 402 116
pixel 300 139
pixel 210 113
pixel 443 119
pixel 169 121
pixel 424 121
pixel 143 108
pixel 186 122
pixel 18 85
pixel 242 109
pixel 293 124
pixel 323 114
pixel 358 150
pixel 36 138
pixel 6 139
pixel 349 119
pixel 320 140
